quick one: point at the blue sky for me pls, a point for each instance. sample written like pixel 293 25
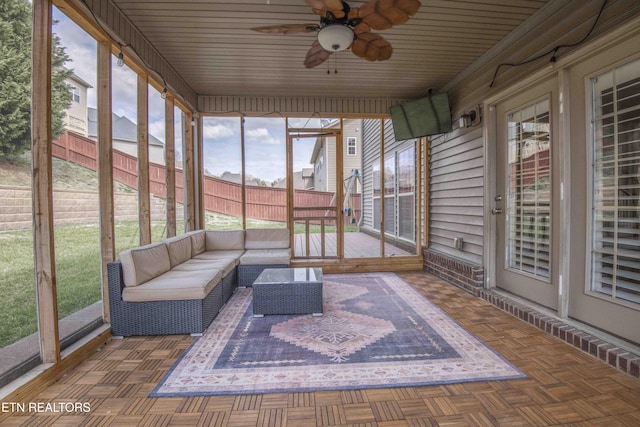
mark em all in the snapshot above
pixel 264 136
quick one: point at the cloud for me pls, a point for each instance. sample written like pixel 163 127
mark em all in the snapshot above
pixel 262 136
pixel 218 131
pixel 257 133
pixel 157 129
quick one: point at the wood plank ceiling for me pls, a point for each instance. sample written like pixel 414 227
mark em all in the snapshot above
pixel 211 44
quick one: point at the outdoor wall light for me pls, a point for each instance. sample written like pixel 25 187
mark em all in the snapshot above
pixel 120 59
pixel 335 37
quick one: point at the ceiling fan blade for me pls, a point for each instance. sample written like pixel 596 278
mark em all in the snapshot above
pixel 287 29
pixel 316 55
pixel 371 47
pixel 383 14
pixel 321 7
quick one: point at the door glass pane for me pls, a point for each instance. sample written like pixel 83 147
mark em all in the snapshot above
pixel 615 247
pixel 529 190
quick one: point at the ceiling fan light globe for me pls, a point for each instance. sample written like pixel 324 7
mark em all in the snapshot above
pixel 336 37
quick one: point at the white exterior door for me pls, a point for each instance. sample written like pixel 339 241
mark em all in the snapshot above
pixel 526 205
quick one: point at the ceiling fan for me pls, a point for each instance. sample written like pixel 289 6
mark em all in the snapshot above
pixel 342 26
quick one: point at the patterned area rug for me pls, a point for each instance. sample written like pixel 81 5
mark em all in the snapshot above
pixel 376 331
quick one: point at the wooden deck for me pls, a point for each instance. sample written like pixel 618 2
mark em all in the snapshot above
pixel 564 386
pixel 356 245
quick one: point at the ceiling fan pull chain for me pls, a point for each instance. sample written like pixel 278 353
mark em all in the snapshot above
pixel 335 71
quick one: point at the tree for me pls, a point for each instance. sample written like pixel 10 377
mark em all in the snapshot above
pixel 15 80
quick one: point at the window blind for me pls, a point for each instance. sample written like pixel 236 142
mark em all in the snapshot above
pixel 615 247
pixel 529 191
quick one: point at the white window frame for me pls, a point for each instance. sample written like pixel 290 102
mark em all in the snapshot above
pixel 375 166
pixel 590 286
pixel 411 194
pixel 352 142
pixel 75 93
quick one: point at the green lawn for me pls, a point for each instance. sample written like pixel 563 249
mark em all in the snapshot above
pixel 77 251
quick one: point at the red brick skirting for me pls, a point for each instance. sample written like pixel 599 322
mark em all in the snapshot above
pixel 458 272
pixel 470 277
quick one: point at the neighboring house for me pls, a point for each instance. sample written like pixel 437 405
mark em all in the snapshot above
pixel 236 178
pixel 323 157
pixel 75 119
pixel 125 136
pixel 399 183
pixel 302 180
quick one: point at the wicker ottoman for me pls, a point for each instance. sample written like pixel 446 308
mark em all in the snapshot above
pixel 288 291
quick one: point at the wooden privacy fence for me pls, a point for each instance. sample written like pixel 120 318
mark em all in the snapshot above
pixel 225 197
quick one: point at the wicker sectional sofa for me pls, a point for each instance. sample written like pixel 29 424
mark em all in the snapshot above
pixel 179 285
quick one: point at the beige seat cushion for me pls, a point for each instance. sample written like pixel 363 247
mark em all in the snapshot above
pixel 274 238
pixel 174 285
pixel 215 255
pixel 144 263
pixel 198 244
pixel 266 256
pixel 179 248
pixel 223 265
pixel 225 240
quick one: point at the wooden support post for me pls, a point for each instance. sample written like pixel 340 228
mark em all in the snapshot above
pixel 43 243
pixel 170 164
pixel 199 173
pixel 144 200
pixel 382 187
pixel 427 191
pixel 243 178
pixel 189 191
pixel 105 170
pixel 289 181
pixel 339 191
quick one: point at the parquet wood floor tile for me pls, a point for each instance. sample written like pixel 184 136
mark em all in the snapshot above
pixel 565 386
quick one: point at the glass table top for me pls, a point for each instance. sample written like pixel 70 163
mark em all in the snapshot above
pixel 290 275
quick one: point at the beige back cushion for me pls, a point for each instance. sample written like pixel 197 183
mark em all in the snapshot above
pixel 274 238
pixel 197 242
pixel 179 248
pixel 225 240
pixel 144 263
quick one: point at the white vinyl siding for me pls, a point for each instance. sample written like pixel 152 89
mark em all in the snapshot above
pixel 615 246
pixel 456 196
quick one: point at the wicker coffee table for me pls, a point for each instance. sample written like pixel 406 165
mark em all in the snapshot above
pixel 288 291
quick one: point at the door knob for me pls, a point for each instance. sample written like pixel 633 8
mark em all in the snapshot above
pixel 496 211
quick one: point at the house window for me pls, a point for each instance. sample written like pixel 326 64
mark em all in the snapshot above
pixel 351 146
pixel 529 190
pixel 615 237
pixel 390 194
pixel 406 193
pixel 376 196
pixel 75 93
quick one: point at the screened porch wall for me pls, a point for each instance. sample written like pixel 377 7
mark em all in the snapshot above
pixel 134 41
